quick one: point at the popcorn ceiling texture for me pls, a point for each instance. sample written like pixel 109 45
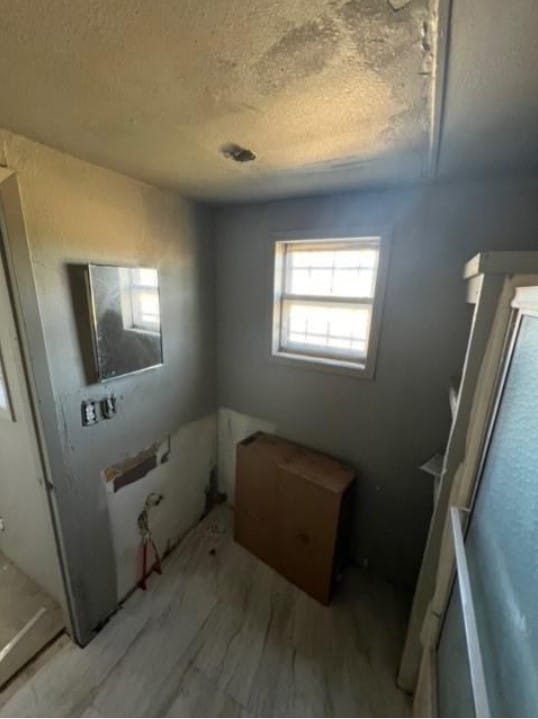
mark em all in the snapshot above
pixel 153 90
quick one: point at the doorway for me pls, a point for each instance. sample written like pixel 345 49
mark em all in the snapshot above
pixel 32 598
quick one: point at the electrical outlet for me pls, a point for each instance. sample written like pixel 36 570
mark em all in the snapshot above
pixel 88 410
pixel 109 407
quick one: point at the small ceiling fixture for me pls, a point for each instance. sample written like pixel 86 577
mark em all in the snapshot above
pixel 237 153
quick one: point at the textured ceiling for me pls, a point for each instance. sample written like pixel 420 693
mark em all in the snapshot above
pixel 325 92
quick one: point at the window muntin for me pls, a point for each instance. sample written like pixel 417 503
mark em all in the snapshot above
pixel 324 299
pixel 337 272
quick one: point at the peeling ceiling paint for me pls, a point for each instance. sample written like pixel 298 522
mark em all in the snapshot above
pixel 323 92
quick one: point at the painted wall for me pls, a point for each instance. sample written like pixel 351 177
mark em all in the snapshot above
pixel 233 427
pixel 77 213
pixel 388 426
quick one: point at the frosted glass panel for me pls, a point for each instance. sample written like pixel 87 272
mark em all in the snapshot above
pixel 454 692
pixel 502 541
pixel 502 553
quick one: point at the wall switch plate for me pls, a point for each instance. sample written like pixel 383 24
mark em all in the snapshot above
pixel 88 409
pixel 109 407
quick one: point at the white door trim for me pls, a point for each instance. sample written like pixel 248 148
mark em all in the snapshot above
pixel 19 276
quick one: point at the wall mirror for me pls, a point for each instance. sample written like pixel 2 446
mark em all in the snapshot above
pixel 126 319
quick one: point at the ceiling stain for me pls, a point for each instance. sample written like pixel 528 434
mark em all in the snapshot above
pixel 381 40
pixel 154 90
pixel 302 51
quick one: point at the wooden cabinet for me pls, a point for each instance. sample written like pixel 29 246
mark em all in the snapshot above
pixel 292 510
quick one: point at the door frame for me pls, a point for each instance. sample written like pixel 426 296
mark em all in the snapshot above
pixel 15 254
pixel 518 297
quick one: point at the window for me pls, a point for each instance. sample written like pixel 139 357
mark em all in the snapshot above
pixel 326 297
pixel 140 299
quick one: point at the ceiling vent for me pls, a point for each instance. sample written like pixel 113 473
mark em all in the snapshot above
pixel 237 153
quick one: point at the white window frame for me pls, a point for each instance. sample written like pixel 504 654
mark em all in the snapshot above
pixel 362 367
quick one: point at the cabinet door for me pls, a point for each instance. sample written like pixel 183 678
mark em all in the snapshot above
pixel 307 524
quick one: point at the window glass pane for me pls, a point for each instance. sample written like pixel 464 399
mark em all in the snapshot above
pixel 502 539
pixel 335 330
pixel 140 299
pixel 146 277
pixel 348 258
pixel 145 308
pixel 331 273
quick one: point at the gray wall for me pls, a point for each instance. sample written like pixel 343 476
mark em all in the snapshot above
pixel 77 213
pixel 388 426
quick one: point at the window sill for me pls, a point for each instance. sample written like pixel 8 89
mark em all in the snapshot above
pixel 143 331
pixel 332 366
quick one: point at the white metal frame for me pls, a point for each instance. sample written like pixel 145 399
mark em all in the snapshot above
pixel 476 665
pixel 14 251
pixel 525 302
pixel 492 279
pixel 93 317
pixel 518 297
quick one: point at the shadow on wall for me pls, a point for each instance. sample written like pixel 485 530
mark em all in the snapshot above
pixel 77 279
pixel 233 427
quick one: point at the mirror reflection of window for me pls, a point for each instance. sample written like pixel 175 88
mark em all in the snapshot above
pixel 125 309
pixel 145 300
pixel 140 299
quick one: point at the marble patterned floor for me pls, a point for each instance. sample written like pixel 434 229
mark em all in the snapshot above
pixel 221 634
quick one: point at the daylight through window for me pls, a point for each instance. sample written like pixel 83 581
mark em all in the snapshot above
pixel 324 298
